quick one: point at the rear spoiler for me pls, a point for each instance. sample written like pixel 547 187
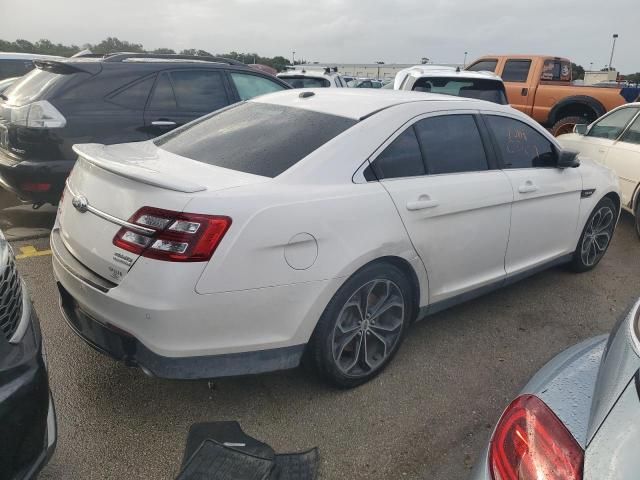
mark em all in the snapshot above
pixel 65 68
pixel 94 153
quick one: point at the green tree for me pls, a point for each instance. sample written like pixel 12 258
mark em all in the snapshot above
pixel 112 44
pixel 577 72
pixel 164 51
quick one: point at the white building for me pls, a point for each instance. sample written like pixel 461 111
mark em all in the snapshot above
pixel 367 70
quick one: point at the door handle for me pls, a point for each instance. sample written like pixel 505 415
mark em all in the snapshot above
pixel 528 187
pixel 601 150
pixel 163 123
pixel 423 202
pixel 524 92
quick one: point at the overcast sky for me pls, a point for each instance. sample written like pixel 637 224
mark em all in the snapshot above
pixel 364 31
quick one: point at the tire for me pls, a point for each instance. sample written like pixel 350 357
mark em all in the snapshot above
pixel 636 217
pixel 565 125
pixel 596 236
pixel 348 347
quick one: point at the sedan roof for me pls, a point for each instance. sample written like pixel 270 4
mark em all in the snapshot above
pixel 350 103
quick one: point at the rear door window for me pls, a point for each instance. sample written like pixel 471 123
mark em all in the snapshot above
pixel 133 96
pixel 488 65
pixel 612 125
pixel 199 90
pixel 402 158
pixel 451 144
pixel 254 137
pixel 516 70
pixel 249 86
pixel 163 97
pixel 519 145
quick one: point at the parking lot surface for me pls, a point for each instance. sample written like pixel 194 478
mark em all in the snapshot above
pixel 427 416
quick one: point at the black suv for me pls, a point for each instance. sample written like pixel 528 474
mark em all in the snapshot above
pixel 118 98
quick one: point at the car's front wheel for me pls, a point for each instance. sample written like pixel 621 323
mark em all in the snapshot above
pixel 363 325
pixel 596 236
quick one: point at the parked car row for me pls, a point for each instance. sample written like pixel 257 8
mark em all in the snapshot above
pixel 119 98
pixel 265 204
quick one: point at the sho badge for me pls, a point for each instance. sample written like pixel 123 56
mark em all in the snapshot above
pixel 80 203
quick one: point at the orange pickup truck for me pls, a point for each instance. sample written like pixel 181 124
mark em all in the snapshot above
pixel 541 87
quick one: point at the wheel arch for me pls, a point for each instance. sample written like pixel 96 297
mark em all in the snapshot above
pixel 615 198
pixel 577 105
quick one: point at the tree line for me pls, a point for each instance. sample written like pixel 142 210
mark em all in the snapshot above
pixel 113 44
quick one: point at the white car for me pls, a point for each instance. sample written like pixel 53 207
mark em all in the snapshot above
pixel 321 220
pixel 452 81
pixel 313 77
pixel 614 141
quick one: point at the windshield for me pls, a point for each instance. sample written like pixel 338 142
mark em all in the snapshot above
pixel 254 137
pixel 480 89
pixel 36 84
pixel 298 81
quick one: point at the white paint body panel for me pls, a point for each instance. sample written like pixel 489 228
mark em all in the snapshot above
pixel 249 297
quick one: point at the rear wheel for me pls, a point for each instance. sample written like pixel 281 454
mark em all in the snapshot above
pixel 596 236
pixel 565 125
pixel 363 325
pixel 637 218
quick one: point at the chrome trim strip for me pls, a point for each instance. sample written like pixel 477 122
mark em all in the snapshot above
pixel 112 219
pixel 26 316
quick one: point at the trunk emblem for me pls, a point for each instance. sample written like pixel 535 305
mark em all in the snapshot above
pixel 80 203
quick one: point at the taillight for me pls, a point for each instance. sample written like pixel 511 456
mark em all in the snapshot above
pixel 39 114
pixel 531 443
pixel 176 237
pixel 35 187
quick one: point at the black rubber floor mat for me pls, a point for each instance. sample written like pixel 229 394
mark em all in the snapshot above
pixel 222 451
pixel 296 466
pixel 229 434
pixel 214 461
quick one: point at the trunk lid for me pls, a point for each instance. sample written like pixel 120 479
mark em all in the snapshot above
pixel 110 183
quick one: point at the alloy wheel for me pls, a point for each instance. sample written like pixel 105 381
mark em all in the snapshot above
pixel 368 327
pixel 597 236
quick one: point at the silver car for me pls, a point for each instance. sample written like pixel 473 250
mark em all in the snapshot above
pixel 577 418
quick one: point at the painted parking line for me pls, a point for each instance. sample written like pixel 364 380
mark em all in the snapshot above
pixel 29 251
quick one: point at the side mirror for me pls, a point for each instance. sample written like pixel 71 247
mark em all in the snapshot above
pixel 568 159
pixel 580 128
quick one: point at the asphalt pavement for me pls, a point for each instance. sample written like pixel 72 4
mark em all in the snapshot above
pixel 428 416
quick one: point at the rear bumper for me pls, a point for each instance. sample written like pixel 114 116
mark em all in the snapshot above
pixel 121 346
pixel 170 331
pixel 14 174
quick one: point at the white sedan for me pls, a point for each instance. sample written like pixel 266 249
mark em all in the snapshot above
pixel 322 221
pixel 614 140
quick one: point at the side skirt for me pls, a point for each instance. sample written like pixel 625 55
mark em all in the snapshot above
pixel 463 297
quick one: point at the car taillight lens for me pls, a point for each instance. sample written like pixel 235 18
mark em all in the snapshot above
pixel 39 114
pixel 531 443
pixel 177 237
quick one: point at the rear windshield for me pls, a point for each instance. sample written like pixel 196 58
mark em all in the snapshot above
pixel 33 86
pixel 480 89
pixel 306 82
pixel 254 137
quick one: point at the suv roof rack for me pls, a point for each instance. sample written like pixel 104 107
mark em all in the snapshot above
pixel 122 56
